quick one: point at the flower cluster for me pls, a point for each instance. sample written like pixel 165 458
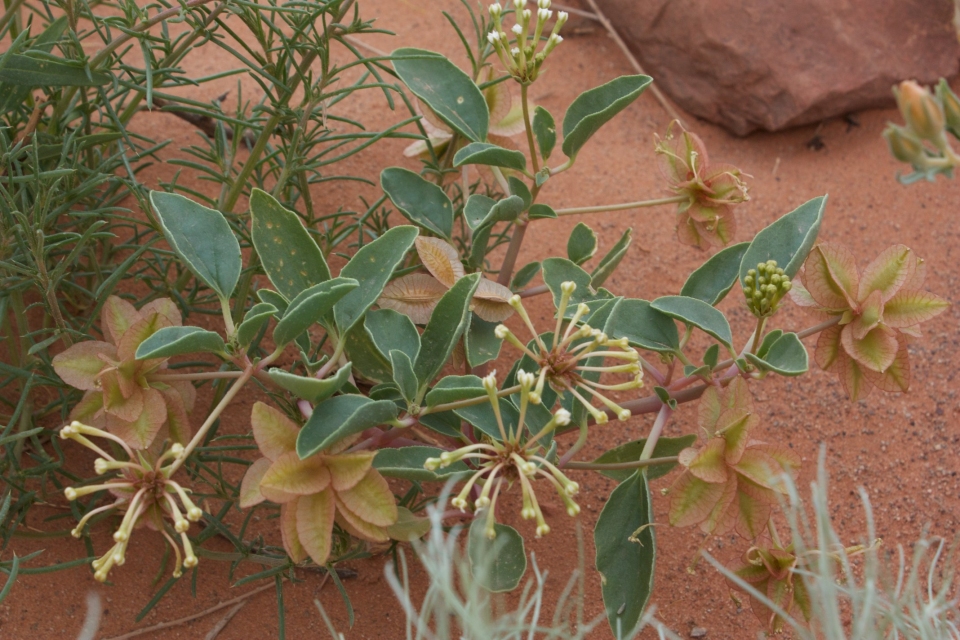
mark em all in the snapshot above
pixel 125 396
pixel 517 456
pixel 142 488
pixel 878 309
pixel 730 481
pixel 772 572
pixel 764 287
pixel 570 362
pixel 705 216
pixel 332 486
pixel 521 58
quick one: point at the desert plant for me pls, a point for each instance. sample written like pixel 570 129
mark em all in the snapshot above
pixel 383 371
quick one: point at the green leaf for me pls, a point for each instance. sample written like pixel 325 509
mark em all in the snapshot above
pixel 447 90
pixel 699 314
pixel 556 271
pixel 292 260
pixel 446 423
pixel 768 341
pixel 403 374
pixel 372 267
pixel 594 108
pixel 610 262
pixel 491 155
pixel 407 463
pixel 391 329
pixel 408 527
pixel 311 389
pixel 482 211
pixel 422 202
pixel 715 277
pixel 447 323
pixel 12 96
pixel 787 356
pixel 711 356
pixel 520 189
pixel 45 70
pixel 368 361
pixel 176 341
pixel 202 238
pixel 454 389
pixel 541 212
pixel 630 452
pixel 481 342
pixel 626 553
pixel 788 240
pixel 644 327
pixel 311 305
pixel 258 316
pixel 497 565
pixel 524 275
pixel 545 131
pixel 336 418
pixel 271 297
pixel 483 418
pixel 582 244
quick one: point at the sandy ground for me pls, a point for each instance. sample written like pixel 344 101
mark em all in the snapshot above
pixel 901 448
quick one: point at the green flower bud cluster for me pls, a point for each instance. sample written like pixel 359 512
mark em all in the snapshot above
pixel 517 49
pixel 929 116
pixel 764 287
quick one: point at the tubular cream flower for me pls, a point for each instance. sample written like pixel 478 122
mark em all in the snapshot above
pixel 706 217
pixel 523 60
pixel 574 358
pixel 144 490
pixel 516 457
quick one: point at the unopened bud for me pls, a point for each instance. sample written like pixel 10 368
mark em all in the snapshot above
pixel 431 464
pixel 543 529
pixel 562 417
pixel 568 287
pixel 951 106
pixel 920 109
pixel 70 493
pixel 904 146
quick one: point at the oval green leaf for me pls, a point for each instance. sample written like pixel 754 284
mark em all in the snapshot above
pixel 582 244
pixel 447 90
pixel 311 305
pixel 715 277
pixel 594 108
pixel 786 356
pixel 202 238
pixel 447 323
pixel 497 565
pixel 481 341
pixel 258 316
pixel 644 327
pixel 697 313
pixel 454 389
pixel 545 131
pixel 490 155
pixel 626 553
pixel 630 452
pixel 610 262
pixel 336 418
pixel 482 211
pixel 788 240
pixel 391 329
pixel 407 463
pixel 403 374
pixel 292 260
pixel 176 341
pixel 422 202
pixel 311 389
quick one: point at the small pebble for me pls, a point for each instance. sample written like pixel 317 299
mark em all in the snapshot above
pixel 698 632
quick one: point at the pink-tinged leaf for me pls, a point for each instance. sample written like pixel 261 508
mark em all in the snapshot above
pixel 888 272
pixel 688 233
pixel 290 474
pixel 315 515
pixel 347 469
pixel 275 495
pixel 137 333
pixel 371 500
pixel 828 347
pixel 897 375
pixel 681 154
pixel 188 393
pixel 165 307
pixel 117 316
pixel 737 396
pixel 275 433
pixel 342 445
pixel 441 259
pixel 907 308
pixel 414 295
pixel 720 521
pixel 114 401
pixel 871 314
pixel 735 426
pixel 141 431
pixel 178 423
pixel 918 278
pixel 876 350
pixel 709 409
pixel 852 377
pixel 693 500
pixel 288 531
pixel 250 486
pixel 913 332
pixel 754 506
pixel 89 410
pixel 506 114
pixel 830 275
pixel 759 467
pixel 492 301
pixel 706 463
pixel 800 296
pixel 788 459
pixel 357 527
pixel 79 365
